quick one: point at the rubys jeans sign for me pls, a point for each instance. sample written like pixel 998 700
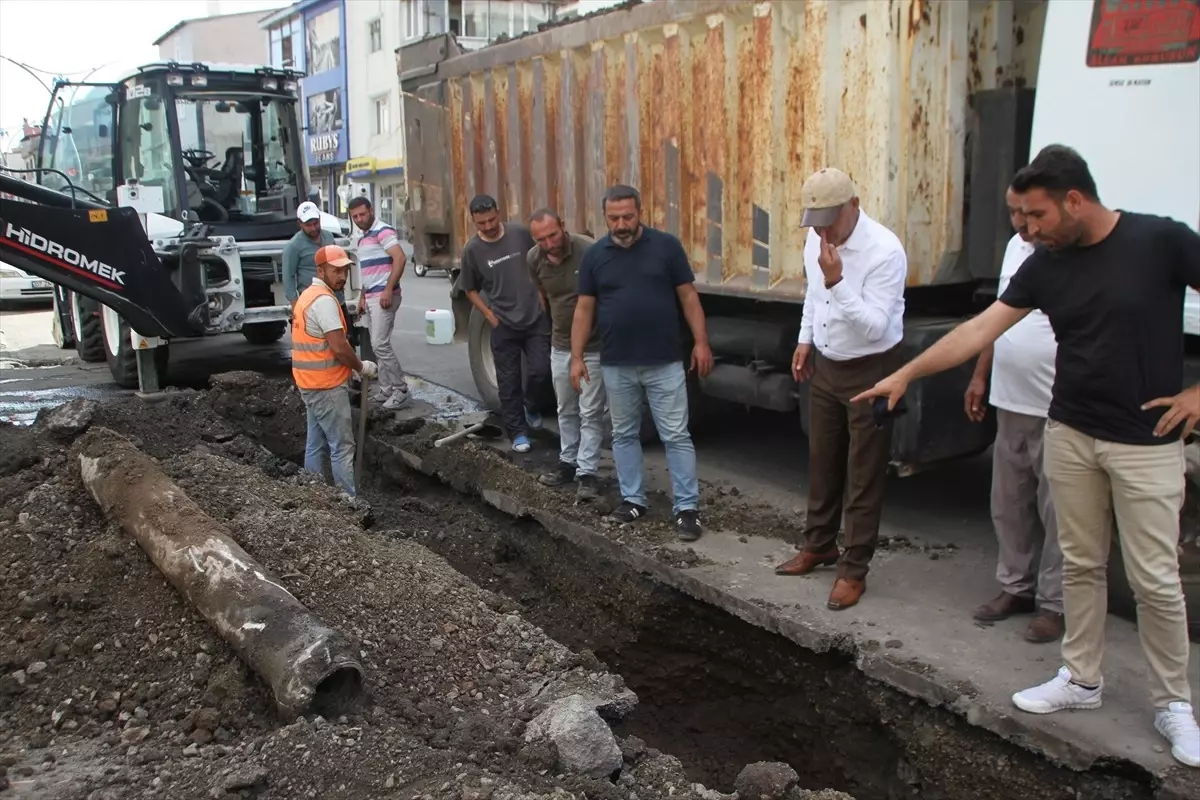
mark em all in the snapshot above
pixel 324 146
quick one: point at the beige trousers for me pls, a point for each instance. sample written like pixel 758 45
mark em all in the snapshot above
pixel 1090 479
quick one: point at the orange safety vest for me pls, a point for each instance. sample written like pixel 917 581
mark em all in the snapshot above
pixel 314 366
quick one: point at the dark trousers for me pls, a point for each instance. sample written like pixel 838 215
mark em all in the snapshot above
pixel 509 347
pixel 848 459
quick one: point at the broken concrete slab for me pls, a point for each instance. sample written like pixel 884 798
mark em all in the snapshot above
pixel 605 691
pixel 70 419
pixel 585 742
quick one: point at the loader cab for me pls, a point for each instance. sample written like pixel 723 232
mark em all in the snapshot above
pixel 222 142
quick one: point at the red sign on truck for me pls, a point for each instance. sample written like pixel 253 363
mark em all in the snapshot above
pixel 1135 32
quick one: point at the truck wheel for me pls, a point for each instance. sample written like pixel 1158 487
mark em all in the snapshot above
pixel 119 352
pixel 264 332
pixel 421 270
pixel 61 327
pixel 479 353
pixel 89 332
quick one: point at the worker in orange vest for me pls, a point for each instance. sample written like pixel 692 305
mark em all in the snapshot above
pixel 322 362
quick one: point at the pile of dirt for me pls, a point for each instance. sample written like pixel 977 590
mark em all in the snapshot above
pixel 114 687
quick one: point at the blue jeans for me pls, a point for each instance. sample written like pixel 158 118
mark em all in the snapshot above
pixel 580 415
pixel 665 389
pixel 330 435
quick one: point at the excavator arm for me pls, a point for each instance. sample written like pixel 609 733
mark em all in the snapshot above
pixel 100 252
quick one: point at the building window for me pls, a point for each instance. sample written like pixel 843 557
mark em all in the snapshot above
pixel 375 32
pixel 287 50
pixel 324 42
pixel 383 123
pixel 412 19
pixel 386 204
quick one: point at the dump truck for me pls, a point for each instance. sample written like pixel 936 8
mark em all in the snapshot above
pixel 211 158
pixel 717 110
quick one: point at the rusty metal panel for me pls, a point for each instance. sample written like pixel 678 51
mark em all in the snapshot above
pixel 717 110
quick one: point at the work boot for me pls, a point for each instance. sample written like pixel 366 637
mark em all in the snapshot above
pixel 1045 627
pixel 846 592
pixel 589 488
pixel 805 562
pixel 1003 607
pixel 563 473
pixel 627 512
pixel 687 525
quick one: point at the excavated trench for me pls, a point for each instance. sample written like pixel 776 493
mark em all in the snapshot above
pixel 718 692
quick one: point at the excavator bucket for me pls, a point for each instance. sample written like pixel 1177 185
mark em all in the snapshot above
pixel 98 251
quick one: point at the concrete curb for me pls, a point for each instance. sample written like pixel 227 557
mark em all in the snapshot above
pixel 907 677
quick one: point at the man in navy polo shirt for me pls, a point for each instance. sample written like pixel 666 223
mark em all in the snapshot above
pixel 632 283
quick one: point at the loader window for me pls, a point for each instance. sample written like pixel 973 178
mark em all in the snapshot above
pixel 146 148
pixel 80 142
pixel 238 159
pixel 1131 33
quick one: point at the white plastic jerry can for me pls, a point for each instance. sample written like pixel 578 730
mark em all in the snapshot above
pixel 439 326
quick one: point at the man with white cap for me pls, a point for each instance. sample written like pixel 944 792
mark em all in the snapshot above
pixel 299 268
pixel 853 318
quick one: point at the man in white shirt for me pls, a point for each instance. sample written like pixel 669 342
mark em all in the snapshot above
pixel 854 319
pixel 1022 368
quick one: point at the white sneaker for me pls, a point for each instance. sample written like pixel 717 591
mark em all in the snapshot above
pixel 1178 726
pixel 1057 694
pixel 399 399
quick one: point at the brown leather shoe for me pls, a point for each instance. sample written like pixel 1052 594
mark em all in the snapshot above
pixel 1045 627
pixel 845 593
pixel 1003 607
pixel 805 562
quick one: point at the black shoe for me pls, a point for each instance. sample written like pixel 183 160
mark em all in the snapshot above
pixel 563 473
pixel 627 512
pixel 589 487
pixel 687 525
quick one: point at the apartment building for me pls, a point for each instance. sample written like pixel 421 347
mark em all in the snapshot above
pixel 223 38
pixel 310 36
pixel 374 31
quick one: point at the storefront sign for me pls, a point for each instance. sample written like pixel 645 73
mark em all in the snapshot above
pixel 362 167
pixel 323 147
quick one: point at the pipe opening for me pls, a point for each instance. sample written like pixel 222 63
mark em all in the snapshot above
pixel 338 692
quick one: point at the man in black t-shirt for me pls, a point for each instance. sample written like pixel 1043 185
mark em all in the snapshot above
pixel 1112 284
pixel 632 283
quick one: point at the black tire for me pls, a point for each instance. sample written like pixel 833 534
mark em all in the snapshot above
pixel 88 327
pixel 479 353
pixel 264 332
pixel 123 363
pixel 421 270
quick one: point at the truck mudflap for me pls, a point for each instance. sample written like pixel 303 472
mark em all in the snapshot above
pixel 100 252
pixel 936 428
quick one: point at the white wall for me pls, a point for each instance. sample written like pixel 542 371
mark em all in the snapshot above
pixel 230 39
pixel 372 75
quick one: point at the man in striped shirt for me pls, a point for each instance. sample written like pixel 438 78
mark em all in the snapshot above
pixel 382 263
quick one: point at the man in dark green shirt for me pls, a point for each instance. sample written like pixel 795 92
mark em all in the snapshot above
pixel 299 268
pixel 554 265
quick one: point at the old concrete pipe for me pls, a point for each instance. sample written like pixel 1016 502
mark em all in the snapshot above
pixel 308 665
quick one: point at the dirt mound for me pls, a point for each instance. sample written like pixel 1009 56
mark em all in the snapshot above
pixel 113 687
